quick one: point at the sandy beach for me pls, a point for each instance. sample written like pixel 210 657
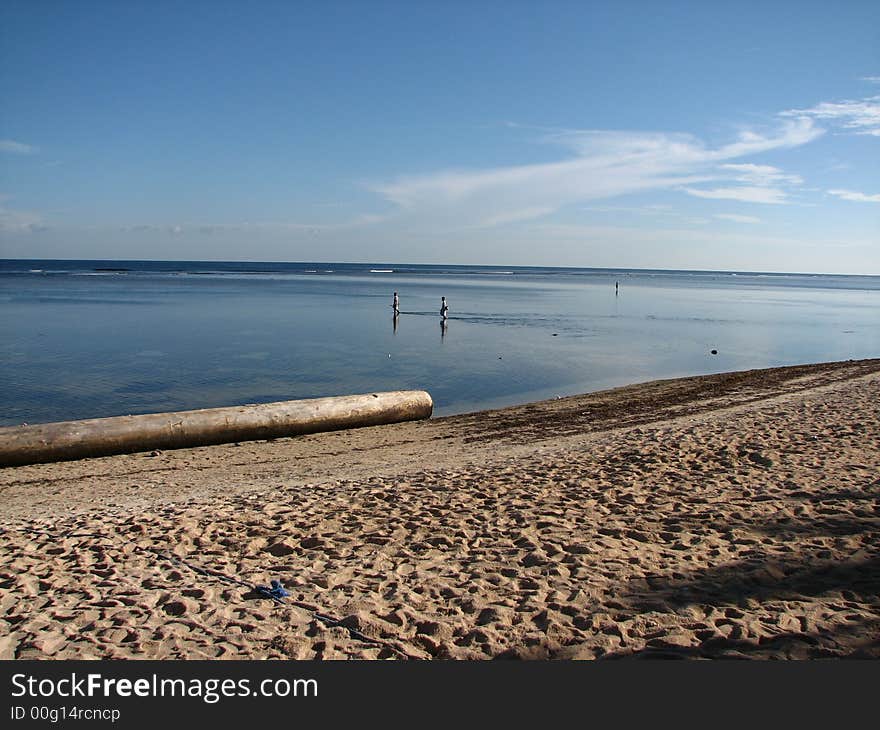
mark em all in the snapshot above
pixel 730 515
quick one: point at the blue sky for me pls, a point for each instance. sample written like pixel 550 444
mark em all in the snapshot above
pixel 743 136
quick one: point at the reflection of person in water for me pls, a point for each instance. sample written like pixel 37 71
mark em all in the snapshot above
pixel 444 308
pixel 444 323
pixel 394 322
pixel 396 304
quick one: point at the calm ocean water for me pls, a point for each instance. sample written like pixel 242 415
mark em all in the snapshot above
pixel 83 339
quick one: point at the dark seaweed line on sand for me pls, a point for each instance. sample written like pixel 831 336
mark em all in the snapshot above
pixel 657 400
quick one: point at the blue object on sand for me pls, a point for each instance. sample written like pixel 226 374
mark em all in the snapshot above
pixel 277 591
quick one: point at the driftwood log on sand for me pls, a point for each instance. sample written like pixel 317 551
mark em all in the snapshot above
pixel 67 440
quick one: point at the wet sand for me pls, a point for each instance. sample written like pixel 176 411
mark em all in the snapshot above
pixel 730 515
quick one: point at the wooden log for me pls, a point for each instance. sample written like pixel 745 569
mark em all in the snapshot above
pixel 68 440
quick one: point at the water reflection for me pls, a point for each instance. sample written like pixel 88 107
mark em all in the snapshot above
pixel 86 346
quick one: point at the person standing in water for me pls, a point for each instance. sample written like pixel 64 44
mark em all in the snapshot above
pixel 396 304
pixel 444 308
pixel 616 288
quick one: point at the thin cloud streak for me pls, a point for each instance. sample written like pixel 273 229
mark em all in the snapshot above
pixel 761 175
pixel 606 164
pixel 19 221
pixel 855 196
pixel 862 116
pixel 736 218
pixel 17 148
pixel 276 226
pixel 769 196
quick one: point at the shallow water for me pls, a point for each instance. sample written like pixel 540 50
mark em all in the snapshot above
pixel 89 339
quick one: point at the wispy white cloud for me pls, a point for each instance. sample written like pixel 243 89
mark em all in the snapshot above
pixel 173 230
pixel 760 184
pixel 761 175
pixel 862 116
pixel 176 229
pixel 855 196
pixel 871 79
pixel 736 218
pixel 744 193
pixel 649 210
pixel 19 221
pixel 17 148
pixel 603 164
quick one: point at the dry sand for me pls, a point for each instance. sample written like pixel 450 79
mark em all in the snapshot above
pixel 722 516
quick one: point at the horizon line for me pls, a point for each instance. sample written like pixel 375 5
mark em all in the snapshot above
pixel 493 266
